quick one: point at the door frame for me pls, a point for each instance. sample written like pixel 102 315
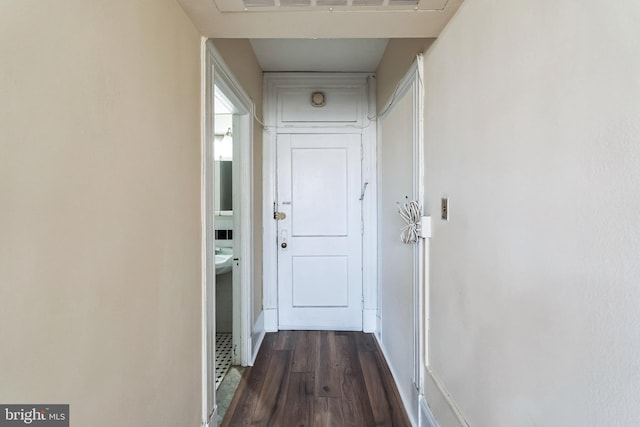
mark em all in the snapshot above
pixel 215 72
pixel 365 82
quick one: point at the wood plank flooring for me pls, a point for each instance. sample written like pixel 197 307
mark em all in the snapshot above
pixel 317 379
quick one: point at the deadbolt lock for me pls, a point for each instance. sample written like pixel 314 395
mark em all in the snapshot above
pixel 279 216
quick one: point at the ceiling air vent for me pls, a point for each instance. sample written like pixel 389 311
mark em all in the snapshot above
pixel 331 3
pixel 295 3
pixel 368 2
pixel 259 3
pixel 229 6
pixel 404 2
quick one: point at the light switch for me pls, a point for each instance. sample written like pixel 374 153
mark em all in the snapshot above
pixel 444 208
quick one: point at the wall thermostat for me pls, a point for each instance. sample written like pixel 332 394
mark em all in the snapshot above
pixel 318 99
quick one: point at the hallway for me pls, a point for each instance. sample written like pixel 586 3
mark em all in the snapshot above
pixel 317 378
pixel 530 126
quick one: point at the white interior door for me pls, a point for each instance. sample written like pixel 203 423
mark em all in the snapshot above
pixel 320 236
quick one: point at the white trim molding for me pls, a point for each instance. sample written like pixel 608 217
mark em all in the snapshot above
pixel 208 239
pixel 441 402
pixel 257 337
pixel 426 416
pixel 270 319
pixel 370 320
pixel 243 226
pixel 213 422
pixel 403 397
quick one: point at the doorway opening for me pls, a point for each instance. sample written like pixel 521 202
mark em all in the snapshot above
pixel 319 195
pixel 225 223
pixel 227 241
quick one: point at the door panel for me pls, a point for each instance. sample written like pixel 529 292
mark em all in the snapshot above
pixel 320 281
pixel 315 191
pixel 320 241
pixel 344 107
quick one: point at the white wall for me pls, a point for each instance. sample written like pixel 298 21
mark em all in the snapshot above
pixel 100 210
pixel 533 131
pixel 397 184
pixel 396 259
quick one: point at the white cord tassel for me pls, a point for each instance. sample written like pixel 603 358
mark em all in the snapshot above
pixel 411 213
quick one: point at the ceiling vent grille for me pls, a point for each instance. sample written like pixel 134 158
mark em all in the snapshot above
pixel 259 3
pixel 404 2
pixel 331 3
pixel 295 3
pixel 325 5
pixel 368 2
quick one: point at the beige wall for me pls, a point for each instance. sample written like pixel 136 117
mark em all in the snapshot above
pixel 238 55
pixel 397 58
pixel 100 219
pixel 533 132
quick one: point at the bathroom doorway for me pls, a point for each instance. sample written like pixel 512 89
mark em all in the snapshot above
pixel 225 223
pixel 227 241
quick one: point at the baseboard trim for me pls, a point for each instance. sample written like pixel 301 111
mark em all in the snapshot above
pixel 257 335
pixel 426 416
pixel 270 319
pixel 213 419
pixel 369 320
pixel 412 416
pixel 441 402
pixel 316 327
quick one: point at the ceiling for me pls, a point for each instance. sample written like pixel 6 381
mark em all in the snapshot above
pixel 320 35
pixel 322 19
pixel 322 55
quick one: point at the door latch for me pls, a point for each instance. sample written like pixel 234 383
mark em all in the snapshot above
pixel 279 216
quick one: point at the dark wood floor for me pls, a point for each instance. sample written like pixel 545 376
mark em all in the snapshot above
pixel 317 378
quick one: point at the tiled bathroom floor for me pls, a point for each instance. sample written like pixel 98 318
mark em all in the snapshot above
pixel 224 346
